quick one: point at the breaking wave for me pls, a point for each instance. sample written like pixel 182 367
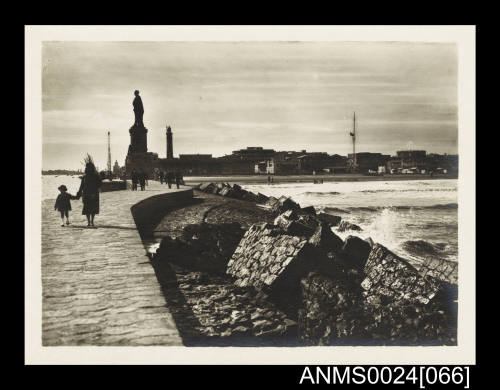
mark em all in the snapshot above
pixel 313 193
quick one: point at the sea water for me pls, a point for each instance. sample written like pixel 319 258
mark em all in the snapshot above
pixel 50 183
pixel 415 219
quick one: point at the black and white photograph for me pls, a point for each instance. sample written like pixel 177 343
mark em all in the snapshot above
pixel 247 188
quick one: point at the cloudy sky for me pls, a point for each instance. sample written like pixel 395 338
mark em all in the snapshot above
pixel 220 97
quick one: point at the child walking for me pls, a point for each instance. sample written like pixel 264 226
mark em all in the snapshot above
pixel 63 204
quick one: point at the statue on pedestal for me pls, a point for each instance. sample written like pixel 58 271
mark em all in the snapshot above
pixel 138 109
pixel 138 133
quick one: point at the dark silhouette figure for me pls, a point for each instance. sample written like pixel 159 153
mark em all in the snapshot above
pixel 170 178
pixel 269 179
pixel 134 176
pixel 142 180
pixel 138 109
pixel 63 203
pixel 89 191
pixel 178 178
pixel 161 177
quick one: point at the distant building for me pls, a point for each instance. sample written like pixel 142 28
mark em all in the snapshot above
pixel 253 153
pixel 412 158
pixel 265 167
pixel 117 170
pixel 203 157
pixel 411 154
pixel 448 162
pixel 366 161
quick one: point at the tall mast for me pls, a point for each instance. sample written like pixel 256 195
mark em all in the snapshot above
pixel 354 138
pixel 109 154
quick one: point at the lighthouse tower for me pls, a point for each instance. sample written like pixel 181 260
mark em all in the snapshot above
pixel 170 146
pixel 109 154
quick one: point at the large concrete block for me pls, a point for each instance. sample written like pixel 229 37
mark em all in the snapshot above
pixel 331 311
pixel 345 226
pixel 207 187
pixel 356 251
pixel 332 220
pixel 392 279
pixel 441 269
pixel 325 240
pixel 268 258
pixel 261 198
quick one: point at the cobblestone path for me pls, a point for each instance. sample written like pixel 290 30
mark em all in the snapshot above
pixel 98 285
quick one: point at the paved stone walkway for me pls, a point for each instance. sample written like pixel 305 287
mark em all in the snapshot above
pixel 99 287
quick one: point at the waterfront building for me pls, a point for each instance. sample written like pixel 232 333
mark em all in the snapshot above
pixel 367 161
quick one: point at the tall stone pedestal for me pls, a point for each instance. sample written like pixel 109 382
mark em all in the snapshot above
pixel 145 162
pixel 138 139
pixel 138 157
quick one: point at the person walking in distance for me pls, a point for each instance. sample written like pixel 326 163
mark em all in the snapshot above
pixel 135 179
pixel 178 178
pixel 169 179
pixel 142 180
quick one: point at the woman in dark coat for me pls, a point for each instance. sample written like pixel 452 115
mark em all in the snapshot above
pixel 89 191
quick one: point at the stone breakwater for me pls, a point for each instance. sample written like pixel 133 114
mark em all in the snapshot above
pixel 290 280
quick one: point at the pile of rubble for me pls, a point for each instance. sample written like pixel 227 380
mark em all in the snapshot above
pixel 310 282
pixel 222 310
pixel 234 191
pixel 202 247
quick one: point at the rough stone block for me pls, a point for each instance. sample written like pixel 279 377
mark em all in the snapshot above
pixel 370 241
pixel 356 251
pixel 261 198
pixel 441 269
pixel 331 311
pixel 216 188
pixel 206 187
pixel 309 220
pixel 345 226
pixel 296 228
pixel 284 204
pixel 268 258
pixel 225 191
pixel 325 240
pixel 271 201
pixel 332 220
pixel 308 210
pixel 249 196
pixel 202 247
pixel 392 279
pixel 282 221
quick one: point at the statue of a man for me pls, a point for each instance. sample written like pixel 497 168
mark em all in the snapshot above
pixel 138 109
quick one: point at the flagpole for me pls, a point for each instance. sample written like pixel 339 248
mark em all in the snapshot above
pixel 354 139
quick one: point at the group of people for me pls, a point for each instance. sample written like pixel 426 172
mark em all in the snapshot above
pixel 138 177
pixel 88 191
pixel 169 178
